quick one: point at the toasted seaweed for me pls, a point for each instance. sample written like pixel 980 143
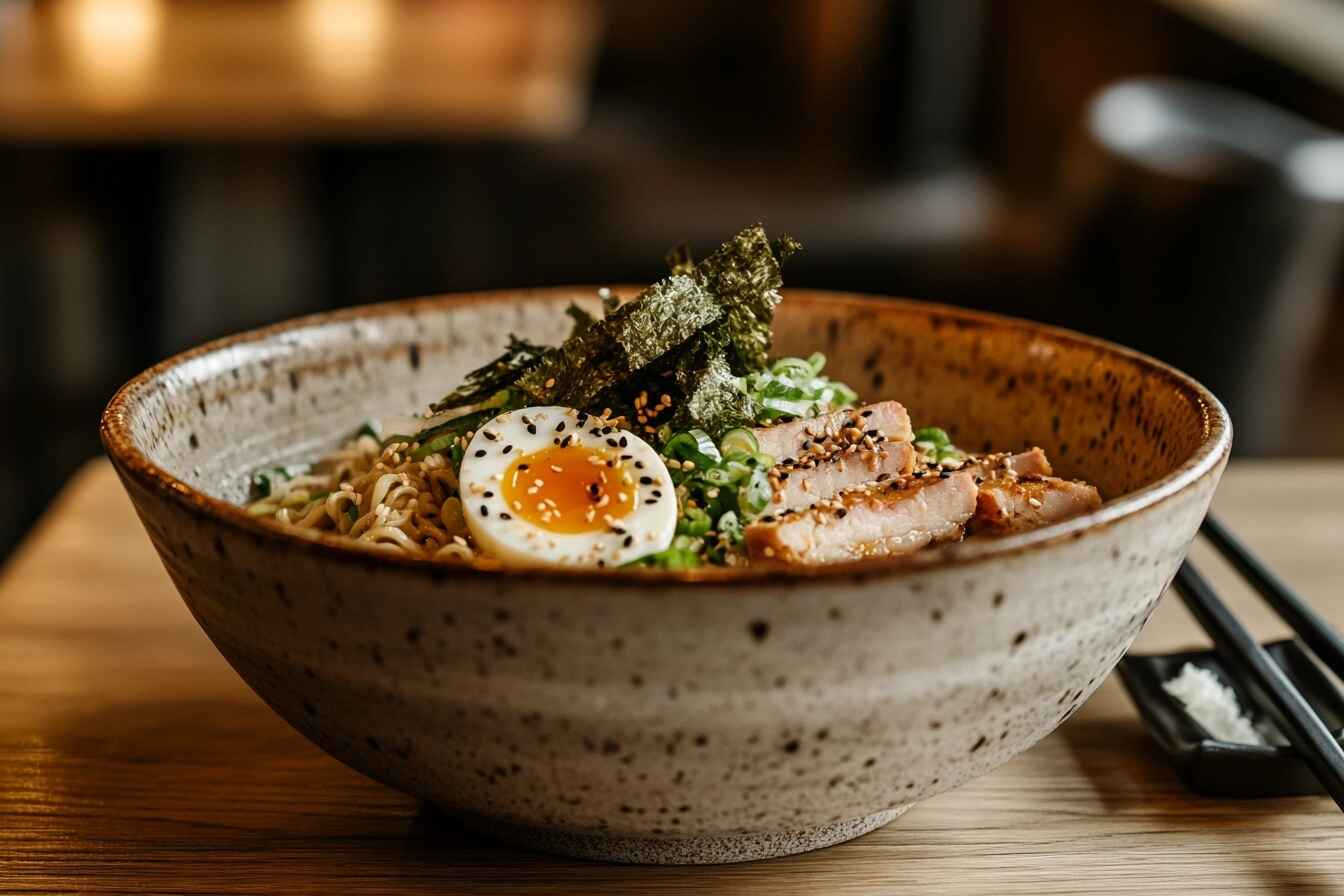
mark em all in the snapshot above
pixel 582 319
pixel 487 380
pixel 711 398
pixel 679 260
pixel 744 274
pixel 690 335
pixel 621 345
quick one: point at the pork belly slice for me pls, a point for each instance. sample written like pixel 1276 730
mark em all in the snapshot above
pixel 1027 464
pixel 797 437
pixel 803 484
pixel 882 520
pixel 1005 505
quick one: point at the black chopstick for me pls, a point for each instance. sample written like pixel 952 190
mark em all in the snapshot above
pixel 1314 631
pixel 1243 653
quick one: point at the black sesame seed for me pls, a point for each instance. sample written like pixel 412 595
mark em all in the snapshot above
pixel 884 477
pixel 612 463
pixel 485 511
pixel 531 429
pixel 613 443
pixel 526 419
pixel 522 467
pixel 650 500
pixel 487 494
pixel 489 435
pixel 627 457
pixel 625 443
pixel 629 540
pixel 639 465
pixel 479 452
pixel 646 480
pixel 841 513
pixel 657 493
pixel 560 427
pixel 567 441
pixel 507 449
pixel 583 419
pixel 505 516
pixel 866 414
pixel 595 431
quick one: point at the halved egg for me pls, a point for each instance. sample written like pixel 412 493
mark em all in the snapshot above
pixel 556 486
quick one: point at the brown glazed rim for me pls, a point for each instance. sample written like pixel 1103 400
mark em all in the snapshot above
pixel 132 463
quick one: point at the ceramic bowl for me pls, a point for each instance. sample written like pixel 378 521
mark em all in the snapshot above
pixel 674 718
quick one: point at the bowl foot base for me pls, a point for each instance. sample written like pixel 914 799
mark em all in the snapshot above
pixel 662 850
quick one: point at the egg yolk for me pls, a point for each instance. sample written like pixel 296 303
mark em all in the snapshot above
pixel 570 489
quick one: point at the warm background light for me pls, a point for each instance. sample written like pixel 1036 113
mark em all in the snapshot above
pixel 344 43
pixel 112 46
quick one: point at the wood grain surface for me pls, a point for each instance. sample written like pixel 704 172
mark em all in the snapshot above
pixel 132 759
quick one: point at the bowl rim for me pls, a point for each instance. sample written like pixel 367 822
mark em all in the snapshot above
pixel 1212 451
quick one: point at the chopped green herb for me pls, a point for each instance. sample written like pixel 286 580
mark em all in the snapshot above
pixel 937 444
pixel 795 387
pixel 265 481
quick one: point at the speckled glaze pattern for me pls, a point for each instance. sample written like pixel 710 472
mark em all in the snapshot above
pixel 682 719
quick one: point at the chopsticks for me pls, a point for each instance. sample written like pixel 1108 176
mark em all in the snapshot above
pixel 1244 655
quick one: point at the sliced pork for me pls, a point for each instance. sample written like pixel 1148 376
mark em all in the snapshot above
pixel 1026 464
pixel 885 519
pixel 1005 505
pixel 884 421
pixel 805 483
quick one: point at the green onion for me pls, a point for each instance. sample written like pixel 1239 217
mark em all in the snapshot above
pixel 794 387
pixel 739 441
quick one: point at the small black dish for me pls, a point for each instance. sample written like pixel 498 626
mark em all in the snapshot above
pixel 1219 768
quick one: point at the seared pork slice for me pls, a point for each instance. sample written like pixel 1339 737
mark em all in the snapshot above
pixel 1005 505
pixel 884 421
pixel 804 483
pixel 886 519
pixel 1027 464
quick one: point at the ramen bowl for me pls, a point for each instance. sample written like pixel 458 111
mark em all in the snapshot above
pixel 672 717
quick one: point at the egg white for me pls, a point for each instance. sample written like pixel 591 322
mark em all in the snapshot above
pixel 501 533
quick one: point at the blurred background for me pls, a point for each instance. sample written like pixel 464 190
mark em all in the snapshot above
pixel 1165 173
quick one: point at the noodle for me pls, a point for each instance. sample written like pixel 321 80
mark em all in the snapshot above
pixel 381 497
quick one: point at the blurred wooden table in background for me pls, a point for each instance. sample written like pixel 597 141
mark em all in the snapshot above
pixel 132 759
pixel 144 70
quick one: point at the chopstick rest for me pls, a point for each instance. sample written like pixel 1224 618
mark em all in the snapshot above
pixel 1253 672
pixel 1221 768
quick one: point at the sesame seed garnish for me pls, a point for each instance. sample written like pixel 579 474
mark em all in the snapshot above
pixel 479 452
pixel 1033 502
pixel 488 494
pixel 485 511
pixel 560 427
pixel 489 435
pixel 556 468
pixel 656 493
pixel 505 516
pixel 531 429
pixel 639 465
pixel 841 513
pixel 646 480
pixel 629 540
pixel 517 505
pixel 507 449
pixel 522 466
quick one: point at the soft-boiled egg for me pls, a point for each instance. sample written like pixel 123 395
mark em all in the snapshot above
pixel 556 486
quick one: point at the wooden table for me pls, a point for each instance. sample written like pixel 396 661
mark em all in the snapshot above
pixel 132 759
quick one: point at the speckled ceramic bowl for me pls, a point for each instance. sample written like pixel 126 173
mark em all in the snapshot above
pixel 683 718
